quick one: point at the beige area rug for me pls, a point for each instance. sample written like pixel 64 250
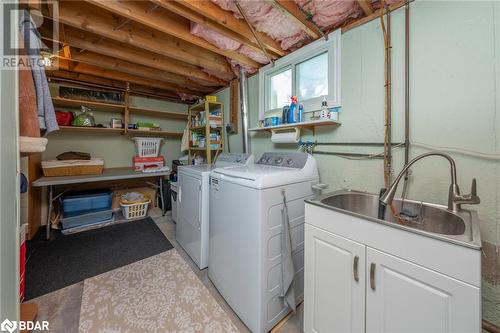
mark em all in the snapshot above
pixel 158 294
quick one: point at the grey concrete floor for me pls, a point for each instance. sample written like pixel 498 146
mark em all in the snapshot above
pixel 62 307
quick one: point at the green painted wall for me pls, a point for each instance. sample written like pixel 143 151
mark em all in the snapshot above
pixel 116 149
pixel 235 141
pixel 455 102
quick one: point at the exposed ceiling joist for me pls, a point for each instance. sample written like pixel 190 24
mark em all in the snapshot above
pixel 136 11
pixel 366 6
pixel 180 84
pixel 193 16
pixel 227 19
pixel 102 23
pixel 291 10
pixel 91 42
pixel 376 14
pixel 117 76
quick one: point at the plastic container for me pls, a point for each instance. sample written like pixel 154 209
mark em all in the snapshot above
pixel 85 219
pixel 147 147
pixel 64 118
pixel 134 211
pixel 79 203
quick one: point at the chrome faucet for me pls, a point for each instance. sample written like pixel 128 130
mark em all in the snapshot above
pixel 455 199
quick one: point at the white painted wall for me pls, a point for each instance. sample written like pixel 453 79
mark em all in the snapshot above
pixel 455 102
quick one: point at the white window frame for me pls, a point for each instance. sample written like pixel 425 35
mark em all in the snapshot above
pixel 332 46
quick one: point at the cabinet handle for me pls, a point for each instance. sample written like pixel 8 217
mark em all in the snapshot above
pixel 356 274
pixel 372 276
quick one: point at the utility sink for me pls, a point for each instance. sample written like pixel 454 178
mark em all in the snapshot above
pixel 429 219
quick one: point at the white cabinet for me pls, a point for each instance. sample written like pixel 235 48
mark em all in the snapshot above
pixel 391 295
pixel 334 283
pixel 404 297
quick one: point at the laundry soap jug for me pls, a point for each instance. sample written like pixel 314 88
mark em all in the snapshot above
pixel 293 113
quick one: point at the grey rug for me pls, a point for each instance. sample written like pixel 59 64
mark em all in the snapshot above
pixel 68 259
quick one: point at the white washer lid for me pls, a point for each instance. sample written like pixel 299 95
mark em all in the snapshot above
pixel 262 176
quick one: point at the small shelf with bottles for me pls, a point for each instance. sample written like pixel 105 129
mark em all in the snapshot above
pixel 295 115
pixel 206 134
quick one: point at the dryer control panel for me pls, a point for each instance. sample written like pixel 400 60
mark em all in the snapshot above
pixel 230 158
pixel 289 160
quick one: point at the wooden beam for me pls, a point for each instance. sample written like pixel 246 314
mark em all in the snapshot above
pixel 79 79
pixel 291 10
pixel 366 6
pixel 181 84
pixel 193 16
pixel 91 42
pixel 376 14
pixel 119 76
pixel 227 19
pixel 138 11
pixel 102 23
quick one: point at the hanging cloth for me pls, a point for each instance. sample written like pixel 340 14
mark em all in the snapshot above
pixel 185 139
pixel 287 268
pixel 32 43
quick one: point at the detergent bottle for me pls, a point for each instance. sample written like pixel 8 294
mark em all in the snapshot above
pixel 293 112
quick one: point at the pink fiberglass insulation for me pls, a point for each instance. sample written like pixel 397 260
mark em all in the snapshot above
pixel 214 37
pixel 187 97
pixel 267 19
pixel 229 44
pixel 330 12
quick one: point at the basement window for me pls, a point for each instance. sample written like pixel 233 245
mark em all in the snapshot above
pixel 309 73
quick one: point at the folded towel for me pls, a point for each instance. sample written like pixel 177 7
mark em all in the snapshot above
pixel 32 145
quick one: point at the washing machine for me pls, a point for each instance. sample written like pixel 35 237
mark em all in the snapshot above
pixel 246 207
pixel 193 204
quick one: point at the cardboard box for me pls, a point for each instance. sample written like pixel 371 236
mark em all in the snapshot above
pixel 142 163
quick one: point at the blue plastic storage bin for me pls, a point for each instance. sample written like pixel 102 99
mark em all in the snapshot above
pixel 78 203
pixel 86 219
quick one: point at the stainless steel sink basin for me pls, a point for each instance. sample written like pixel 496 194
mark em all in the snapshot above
pixel 425 218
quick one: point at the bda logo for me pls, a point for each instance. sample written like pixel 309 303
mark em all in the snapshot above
pixel 8 326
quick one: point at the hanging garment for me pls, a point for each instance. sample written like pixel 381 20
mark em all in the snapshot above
pixel 32 43
pixel 28 117
pixel 287 268
pixel 185 139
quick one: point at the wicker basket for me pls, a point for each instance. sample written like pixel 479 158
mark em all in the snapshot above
pixel 72 168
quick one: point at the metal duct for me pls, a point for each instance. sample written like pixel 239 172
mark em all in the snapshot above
pixel 244 109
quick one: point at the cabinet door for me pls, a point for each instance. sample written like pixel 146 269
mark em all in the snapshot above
pixel 404 297
pixel 334 287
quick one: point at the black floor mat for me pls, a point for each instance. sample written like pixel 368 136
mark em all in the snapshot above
pixel 68 259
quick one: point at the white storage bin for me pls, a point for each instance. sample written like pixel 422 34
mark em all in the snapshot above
pixel 147 147
pixel 133 211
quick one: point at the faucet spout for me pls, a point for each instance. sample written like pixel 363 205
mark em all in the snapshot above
pixel 454 193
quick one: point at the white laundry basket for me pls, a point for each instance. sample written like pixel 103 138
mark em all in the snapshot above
pixel 147 147
pixel 136 210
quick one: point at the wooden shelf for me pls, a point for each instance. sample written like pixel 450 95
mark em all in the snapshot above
pixel 311 124
pixel 198 128
pixel 203 149
pixel 118 130
pixel 158 113
pixel 154 133
pixel 95 106
pixel 201 106
pixel 90 129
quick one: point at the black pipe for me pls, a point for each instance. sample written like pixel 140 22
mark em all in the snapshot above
pixel 366 144
pixel 340 154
